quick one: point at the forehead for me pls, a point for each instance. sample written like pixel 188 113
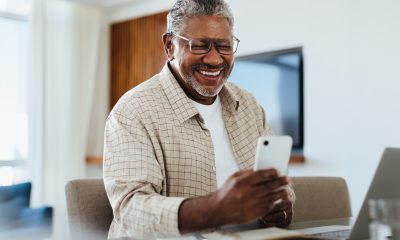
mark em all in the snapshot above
pixel 213 27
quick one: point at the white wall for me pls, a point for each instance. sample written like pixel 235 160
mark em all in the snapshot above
pixel 100 107
pixel 139 8
pixel 352 85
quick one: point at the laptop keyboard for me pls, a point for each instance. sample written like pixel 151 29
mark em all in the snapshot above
pixel 333 235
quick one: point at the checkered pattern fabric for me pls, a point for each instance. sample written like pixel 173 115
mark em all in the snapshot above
pixel 158 152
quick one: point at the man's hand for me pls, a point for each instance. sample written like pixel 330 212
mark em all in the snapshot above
pixel 244 197
pixel 276 217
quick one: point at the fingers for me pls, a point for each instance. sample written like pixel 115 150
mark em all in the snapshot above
pixel 284 205
pixel 265 188
pixel 276 217
pixel 276 183
pixel 256 177
pixel 268 200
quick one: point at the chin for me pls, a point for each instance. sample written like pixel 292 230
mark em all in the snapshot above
pixel 208 92
pixel 192 81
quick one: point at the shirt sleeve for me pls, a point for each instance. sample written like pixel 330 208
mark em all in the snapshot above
pixel 133 180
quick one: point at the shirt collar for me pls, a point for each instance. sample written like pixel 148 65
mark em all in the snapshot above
pixel 229 100
pixel 180 102
pixel 177 98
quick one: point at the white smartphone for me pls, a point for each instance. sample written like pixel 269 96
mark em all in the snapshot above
pixel 273 152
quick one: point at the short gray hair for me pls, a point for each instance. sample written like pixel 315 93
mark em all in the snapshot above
pixel 184 9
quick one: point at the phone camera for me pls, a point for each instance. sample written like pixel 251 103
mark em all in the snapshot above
pixel 266 143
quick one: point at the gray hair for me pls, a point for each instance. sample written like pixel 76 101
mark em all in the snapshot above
pixel 184 9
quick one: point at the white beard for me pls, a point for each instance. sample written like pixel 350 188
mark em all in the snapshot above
pixel 192 81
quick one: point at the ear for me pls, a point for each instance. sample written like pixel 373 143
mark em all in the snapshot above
pixel 168 46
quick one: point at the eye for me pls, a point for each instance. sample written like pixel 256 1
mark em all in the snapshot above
pixel 224 47
pixel 199 47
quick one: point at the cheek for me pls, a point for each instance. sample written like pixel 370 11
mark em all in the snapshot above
pixel 230 61
pixel 229 71
pixel 186 62
pixel 184 65
pixel 189 61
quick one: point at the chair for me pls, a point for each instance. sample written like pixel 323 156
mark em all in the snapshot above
pixel 321 198
pixel 89 210
pixel 318 198
pixel 17 219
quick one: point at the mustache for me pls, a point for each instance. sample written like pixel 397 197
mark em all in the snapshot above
pixel 208 66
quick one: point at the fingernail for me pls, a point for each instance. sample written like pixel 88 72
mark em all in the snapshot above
pixel 277 171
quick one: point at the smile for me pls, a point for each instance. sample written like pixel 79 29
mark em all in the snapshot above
pixel 210 73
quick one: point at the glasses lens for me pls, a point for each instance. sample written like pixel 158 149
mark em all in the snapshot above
pixel 227 46
pixel 199 45
pixel 224 46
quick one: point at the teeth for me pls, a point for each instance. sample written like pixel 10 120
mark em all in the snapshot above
pixel 210 73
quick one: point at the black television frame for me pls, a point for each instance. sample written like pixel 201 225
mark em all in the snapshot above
pixel 266 56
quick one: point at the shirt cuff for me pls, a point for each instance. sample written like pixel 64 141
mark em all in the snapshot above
pixel 165 218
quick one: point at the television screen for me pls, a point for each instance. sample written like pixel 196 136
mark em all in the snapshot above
pixel 276 81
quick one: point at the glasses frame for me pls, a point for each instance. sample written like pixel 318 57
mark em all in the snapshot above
pixel 209 47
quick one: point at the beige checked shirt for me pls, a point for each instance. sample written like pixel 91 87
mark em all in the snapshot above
pixel 158 152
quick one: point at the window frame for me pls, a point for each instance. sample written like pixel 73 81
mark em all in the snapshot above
pixel 13 16
pixel 12 163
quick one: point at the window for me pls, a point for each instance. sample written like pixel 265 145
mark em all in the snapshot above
pixel 16 8
pixel 13 96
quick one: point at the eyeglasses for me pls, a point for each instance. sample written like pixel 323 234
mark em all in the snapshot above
pixel 203 45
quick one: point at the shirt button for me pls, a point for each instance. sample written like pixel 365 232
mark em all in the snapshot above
pixel 207 133
pixel 214 168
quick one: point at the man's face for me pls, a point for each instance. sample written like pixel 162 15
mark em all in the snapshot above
pixel 202 76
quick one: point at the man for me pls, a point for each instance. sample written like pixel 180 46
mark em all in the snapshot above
pixel 179 148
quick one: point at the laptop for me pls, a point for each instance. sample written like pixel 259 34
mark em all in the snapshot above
pixel 383 186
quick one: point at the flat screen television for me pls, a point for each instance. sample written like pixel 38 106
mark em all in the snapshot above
pixel 276 81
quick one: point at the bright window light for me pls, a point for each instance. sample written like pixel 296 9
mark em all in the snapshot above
pixel 6 176
pixel 13 81
pixel 13 112
pixel 15 6
pixel 3 4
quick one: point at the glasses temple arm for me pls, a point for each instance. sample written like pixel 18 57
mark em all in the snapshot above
pixel 180 37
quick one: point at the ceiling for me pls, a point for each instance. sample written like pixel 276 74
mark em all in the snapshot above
pixel 103 3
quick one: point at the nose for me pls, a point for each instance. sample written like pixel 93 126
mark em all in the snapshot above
pixel 213 57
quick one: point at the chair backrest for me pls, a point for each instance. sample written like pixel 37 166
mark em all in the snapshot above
pixel 320 198
pixel 90 213
pixel 89 210
pixel 13 199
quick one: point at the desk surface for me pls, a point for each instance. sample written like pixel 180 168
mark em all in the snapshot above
pixel 294 226
pixel 321 223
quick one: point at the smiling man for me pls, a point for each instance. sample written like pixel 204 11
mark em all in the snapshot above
pixel 180 147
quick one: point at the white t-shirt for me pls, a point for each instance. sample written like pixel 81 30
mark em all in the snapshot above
pixel 225 161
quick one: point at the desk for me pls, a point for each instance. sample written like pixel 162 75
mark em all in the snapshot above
pixel 294 226
pixel 321 223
